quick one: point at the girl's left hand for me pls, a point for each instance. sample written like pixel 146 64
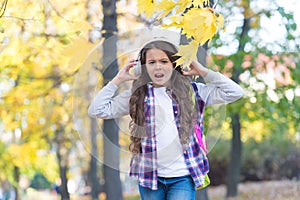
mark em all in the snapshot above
pixel 124 75
pixel 196 69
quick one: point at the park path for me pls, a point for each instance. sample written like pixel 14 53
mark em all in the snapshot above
pixel 264 190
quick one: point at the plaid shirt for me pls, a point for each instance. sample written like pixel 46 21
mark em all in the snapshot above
pixel 144 165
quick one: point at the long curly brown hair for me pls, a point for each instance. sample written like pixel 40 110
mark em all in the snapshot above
pixel 180 87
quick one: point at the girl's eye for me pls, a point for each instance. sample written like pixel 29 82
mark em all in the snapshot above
pixel 164 61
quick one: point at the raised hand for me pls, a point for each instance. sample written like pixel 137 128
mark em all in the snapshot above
pixel 195 69
pixel 124 75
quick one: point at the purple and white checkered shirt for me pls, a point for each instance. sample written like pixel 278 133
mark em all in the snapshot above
pixel 144 164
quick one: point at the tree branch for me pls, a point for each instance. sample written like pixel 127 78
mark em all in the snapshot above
pixel 56 78
pixel 3 8
pixel 21 19
pixel 57 12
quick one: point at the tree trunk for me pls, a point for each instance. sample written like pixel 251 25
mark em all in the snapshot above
pixel 64 183
pixel 112 184
pixel 93 172
pixel 201 56
pixel 61 154
pixel 93 178
pixel 202 194
pixel 233 171
pixel 17 179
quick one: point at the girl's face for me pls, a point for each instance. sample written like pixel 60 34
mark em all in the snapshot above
pixel 159 67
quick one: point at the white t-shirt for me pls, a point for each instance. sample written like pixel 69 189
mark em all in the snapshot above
pixel 170 159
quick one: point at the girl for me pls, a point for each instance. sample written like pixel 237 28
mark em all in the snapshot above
pixel 166 111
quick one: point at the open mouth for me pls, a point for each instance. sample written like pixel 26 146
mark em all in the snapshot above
pixel 158 75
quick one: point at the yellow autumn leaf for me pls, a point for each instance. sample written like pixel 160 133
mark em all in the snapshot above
pixel 24 154
pixel 78 51
pixel 146 6
pixel 200 3
pixel 174 21
pixel 47 165
pixel 82 26
pixel 165 7
pixel 220 21
pixel 201 24
pixel 183 5
pixel 187 54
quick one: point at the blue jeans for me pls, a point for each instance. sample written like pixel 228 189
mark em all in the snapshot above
pixel 178 188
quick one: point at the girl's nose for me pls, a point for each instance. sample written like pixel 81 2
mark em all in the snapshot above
pixel 157 66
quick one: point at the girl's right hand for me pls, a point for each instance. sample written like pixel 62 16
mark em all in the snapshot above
pixel 196 69
pixel 124 75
